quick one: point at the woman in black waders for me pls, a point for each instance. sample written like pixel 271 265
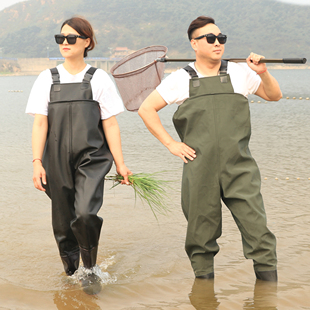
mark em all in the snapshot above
pixel 75 139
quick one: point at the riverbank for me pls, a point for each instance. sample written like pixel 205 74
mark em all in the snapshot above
pixel 34 66
pixel 167 70
pixel 269 66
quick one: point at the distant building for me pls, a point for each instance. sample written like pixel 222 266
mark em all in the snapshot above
pixel 121 52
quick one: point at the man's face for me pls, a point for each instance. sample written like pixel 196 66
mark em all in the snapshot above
pixel 209 51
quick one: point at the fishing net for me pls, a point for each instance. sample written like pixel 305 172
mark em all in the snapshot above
pixel 138 74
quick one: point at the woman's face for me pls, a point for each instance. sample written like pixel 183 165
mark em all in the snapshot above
pixel 72 50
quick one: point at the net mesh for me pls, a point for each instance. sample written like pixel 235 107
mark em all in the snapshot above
pixel 138 74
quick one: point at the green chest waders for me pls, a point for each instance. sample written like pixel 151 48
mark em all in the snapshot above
pixel 76 160
pixel 215 122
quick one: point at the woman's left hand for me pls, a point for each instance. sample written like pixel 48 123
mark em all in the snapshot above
pixel 124 172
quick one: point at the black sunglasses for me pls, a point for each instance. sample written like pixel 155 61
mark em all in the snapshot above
pixel 71 38
pixel 222 38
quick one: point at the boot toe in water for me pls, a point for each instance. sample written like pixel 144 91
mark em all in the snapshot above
pixel 271 276
pixel 91 284
pixel 206 276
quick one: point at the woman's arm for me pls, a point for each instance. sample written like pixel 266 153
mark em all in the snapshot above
pixel 39 134
pixel 113 136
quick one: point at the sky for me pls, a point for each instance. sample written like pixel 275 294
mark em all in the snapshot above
pixel 302 2
pixel 7 3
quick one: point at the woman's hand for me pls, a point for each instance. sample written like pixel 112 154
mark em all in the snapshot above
pixel 39 176
pixel 124 172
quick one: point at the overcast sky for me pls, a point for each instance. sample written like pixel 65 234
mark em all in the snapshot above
pixel 304 2
pixel 7 3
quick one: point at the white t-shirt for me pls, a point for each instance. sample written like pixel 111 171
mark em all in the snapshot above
pixel 104 91
pixel 175 87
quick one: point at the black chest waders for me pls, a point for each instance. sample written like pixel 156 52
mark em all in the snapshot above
pixel 76 160
pixel 215 122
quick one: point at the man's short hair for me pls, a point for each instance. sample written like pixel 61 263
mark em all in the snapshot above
pixel 198 23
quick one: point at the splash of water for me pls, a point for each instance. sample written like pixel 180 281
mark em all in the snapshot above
pixel 82 273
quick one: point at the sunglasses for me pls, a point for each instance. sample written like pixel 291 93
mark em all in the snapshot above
pixel 222 38
pixel 71 38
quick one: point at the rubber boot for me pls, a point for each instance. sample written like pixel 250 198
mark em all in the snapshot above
pixel 206 276
pixel 71 262
pixel 91 283
pixel 89 257
pixel 271 276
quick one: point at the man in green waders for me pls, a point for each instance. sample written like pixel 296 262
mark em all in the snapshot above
pixel 213 122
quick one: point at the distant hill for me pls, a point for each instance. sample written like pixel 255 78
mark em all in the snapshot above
pixel 270 28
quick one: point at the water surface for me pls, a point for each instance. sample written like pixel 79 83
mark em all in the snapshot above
pixel 143 260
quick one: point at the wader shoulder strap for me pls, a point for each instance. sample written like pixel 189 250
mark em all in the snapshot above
pixel 87 77
pixel 55 76
pixel 89 74
pixel 223 71
pixel 223 68
pixel 191 72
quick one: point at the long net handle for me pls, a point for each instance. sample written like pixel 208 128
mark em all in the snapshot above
pixel 283 60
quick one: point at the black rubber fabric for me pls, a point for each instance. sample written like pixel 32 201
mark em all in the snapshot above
pixel 76 160
pixel 271 276
pixel 71 262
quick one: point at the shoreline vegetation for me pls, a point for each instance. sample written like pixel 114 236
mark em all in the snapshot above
pixel 167 70
pixel 34 66
pixel 272 67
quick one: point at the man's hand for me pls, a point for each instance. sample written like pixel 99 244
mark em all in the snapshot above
pixel 182 150
pixel 253 63
pixel 269 88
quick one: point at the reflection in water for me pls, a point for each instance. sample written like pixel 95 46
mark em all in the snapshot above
pixel 265 297
pixel 75 299
pixel 202 296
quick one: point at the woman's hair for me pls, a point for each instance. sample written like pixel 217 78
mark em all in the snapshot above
pixel 198 23
pixel 84 28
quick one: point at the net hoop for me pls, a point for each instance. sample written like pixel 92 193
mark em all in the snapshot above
pixel 136 54
pixel 138 74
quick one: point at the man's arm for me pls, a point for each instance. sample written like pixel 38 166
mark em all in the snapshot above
pixel 269 88
pixel 148 112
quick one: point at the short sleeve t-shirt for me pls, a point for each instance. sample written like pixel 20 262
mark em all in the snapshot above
pixel 175 87
pixel 104 91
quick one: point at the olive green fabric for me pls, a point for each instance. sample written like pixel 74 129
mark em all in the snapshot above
pixel 215 122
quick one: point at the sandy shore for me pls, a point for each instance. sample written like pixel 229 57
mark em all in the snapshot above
pixel 270 66
pixel 169 70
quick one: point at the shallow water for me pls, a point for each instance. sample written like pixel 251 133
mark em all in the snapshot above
pixel 143 262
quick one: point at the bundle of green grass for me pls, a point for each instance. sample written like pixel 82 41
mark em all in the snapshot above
pixel 148 188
